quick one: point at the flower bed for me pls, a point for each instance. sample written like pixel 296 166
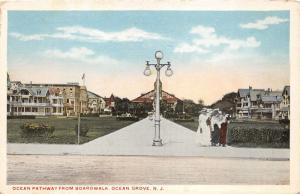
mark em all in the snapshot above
pixel 36 129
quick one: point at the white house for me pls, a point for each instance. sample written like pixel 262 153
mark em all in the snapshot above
pixel 258 103
pixel 36 101
pixel 285 103
pixel 96 104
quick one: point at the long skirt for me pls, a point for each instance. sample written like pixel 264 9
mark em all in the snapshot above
pixel 215 135
pixel 223 133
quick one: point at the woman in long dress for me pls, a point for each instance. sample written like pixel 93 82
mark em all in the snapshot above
pixel 203 135
pixel 216 122
pixel 223 131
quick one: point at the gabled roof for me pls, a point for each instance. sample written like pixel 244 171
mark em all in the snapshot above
pixel 243 92
pixel 271 99
pixel 36 91
pixel 255 93
pixel 149 97
pixel 39 91
pixel 93 95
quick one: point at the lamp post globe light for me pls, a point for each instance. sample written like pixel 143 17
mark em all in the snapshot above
pixel 157 141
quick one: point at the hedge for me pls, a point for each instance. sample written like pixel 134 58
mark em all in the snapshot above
pixel 258 133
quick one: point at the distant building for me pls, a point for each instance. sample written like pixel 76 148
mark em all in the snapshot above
pixel 38 101
pixel 110 103
pixel 147 98
pixel 285 103
pixel 96 104
pixel 74 97
pixel 83 103
pixel 258 103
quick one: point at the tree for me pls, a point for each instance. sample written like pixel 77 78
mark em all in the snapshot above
pixel 122 105
pixel 201 102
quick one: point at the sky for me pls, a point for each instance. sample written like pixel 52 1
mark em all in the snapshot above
pixel 211 52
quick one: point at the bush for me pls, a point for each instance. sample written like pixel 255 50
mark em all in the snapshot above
pixel 83 129
pixel 36 129
pixel 257 133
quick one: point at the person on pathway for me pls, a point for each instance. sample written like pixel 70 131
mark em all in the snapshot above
pixel 223 131
pixel 216 121
pixel 215 135
pixel 203 134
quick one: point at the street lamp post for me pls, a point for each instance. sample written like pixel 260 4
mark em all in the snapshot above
pixel 157 141
pixel 78 125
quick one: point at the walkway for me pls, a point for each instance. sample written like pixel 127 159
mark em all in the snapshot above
pixel 136 140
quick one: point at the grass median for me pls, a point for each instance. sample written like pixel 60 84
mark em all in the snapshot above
pixel 64 129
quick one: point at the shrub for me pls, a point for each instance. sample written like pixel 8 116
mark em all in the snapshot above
pixel 36 129
pixel 83 129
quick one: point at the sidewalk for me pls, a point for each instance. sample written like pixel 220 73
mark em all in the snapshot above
pixel 136 140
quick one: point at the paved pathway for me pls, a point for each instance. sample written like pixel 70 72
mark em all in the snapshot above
pixel 75 169
pixel 136 139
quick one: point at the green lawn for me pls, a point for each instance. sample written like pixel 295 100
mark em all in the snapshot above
pixel 256 126
pixel 64 129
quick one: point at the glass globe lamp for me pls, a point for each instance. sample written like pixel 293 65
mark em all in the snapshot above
pixel 169 72
pixel 159 55
pixel 147 71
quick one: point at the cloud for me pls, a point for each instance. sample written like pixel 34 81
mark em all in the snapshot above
pixel 188 48
pixel 79 33
pixel 80 54
pixel 207 38
pixel 264 23
pixel 27 37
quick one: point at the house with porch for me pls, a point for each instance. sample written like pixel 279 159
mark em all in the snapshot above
pixel 258 103
pixel 36 101
pixel 285 103
pixel 96 104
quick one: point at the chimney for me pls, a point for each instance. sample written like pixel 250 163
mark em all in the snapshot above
pixel 250 87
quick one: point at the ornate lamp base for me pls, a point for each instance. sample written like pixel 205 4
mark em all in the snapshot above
pixel 157 142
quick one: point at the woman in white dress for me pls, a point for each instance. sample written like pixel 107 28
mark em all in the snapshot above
pixel 203 135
